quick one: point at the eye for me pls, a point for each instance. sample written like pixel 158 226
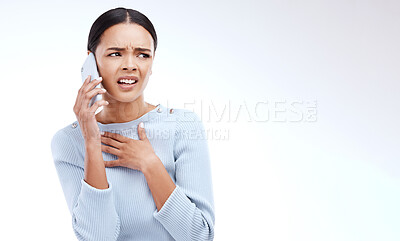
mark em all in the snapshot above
pixel 113 53
pixel 144 55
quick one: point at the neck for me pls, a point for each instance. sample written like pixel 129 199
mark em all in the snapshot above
pixel 120 112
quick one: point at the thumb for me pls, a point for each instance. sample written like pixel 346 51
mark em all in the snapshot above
pixel 142 131
pixel 114 163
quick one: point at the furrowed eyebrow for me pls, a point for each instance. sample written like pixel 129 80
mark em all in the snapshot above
pixel 122 49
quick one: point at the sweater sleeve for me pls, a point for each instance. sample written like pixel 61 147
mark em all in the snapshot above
pixel 188 213
pixel 94 216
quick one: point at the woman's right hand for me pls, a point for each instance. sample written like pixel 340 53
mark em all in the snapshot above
pixel 85 114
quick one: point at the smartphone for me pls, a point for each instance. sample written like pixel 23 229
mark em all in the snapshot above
pixel 89 67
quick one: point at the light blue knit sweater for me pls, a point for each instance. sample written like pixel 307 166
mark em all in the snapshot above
pixel 126 210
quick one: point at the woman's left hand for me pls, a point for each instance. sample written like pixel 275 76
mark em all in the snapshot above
pixel 131 153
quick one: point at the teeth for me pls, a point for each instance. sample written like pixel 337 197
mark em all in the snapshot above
pixel 128 81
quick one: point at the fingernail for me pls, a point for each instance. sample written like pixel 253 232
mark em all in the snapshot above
pixel 141 124
pixel 100 78
pixel 102 133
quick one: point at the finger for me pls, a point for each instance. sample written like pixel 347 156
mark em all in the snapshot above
pixel 85 83
pixel 114 163
pixel 116 137
pixel 85 88
pixel 96 105
pixel 92 84
pixel 110 149
pixel 89 95
pixel 87 80
pixel 142 131
pixel 111 142
pixel 81 89
pixel 95 82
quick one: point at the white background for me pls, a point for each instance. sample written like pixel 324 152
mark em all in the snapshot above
pixel 335 176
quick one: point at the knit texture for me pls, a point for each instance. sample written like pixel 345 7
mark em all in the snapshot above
pixel 126 209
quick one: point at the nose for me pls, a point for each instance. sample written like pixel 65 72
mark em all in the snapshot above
pixel 129 64
pixel 129 68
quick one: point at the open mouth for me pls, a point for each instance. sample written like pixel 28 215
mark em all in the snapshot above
pixel 127 84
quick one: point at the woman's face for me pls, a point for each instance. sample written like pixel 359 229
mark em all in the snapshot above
pixel 124 50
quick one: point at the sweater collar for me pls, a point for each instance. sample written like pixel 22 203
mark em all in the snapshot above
pixel 125 125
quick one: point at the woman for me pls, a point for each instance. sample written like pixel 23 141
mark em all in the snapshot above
pixel 121 180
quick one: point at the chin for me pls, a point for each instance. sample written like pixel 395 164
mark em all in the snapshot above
pixel 127 97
